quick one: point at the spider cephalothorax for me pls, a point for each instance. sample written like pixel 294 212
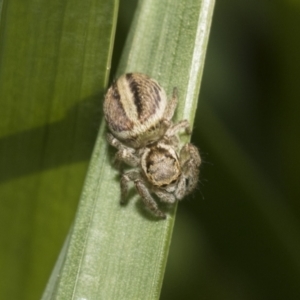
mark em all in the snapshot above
pixel 160 170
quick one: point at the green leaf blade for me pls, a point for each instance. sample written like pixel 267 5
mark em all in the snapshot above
pixel 120 252
pixel 54 70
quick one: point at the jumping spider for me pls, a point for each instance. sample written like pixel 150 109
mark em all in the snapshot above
pixel 140 119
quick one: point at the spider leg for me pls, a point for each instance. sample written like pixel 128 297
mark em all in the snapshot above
pixel 189 153
pixel 174 129
pixel 125 179
pixel 147 198
pixel 165 196
pixel 124 153
pixel 180 191
pixel 114 142
pixel 171 106
pixel 127 156
pixel 190 161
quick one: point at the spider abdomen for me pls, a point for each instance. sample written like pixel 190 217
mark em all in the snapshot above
pixel 134 108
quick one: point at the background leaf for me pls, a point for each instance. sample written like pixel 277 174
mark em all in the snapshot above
pixel 54 58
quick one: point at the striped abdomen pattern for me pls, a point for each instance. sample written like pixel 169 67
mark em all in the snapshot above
pixel 134 108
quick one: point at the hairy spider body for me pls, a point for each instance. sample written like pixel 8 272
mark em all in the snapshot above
pixel 140 120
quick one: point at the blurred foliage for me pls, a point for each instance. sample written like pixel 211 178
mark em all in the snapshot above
pixel 53 74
